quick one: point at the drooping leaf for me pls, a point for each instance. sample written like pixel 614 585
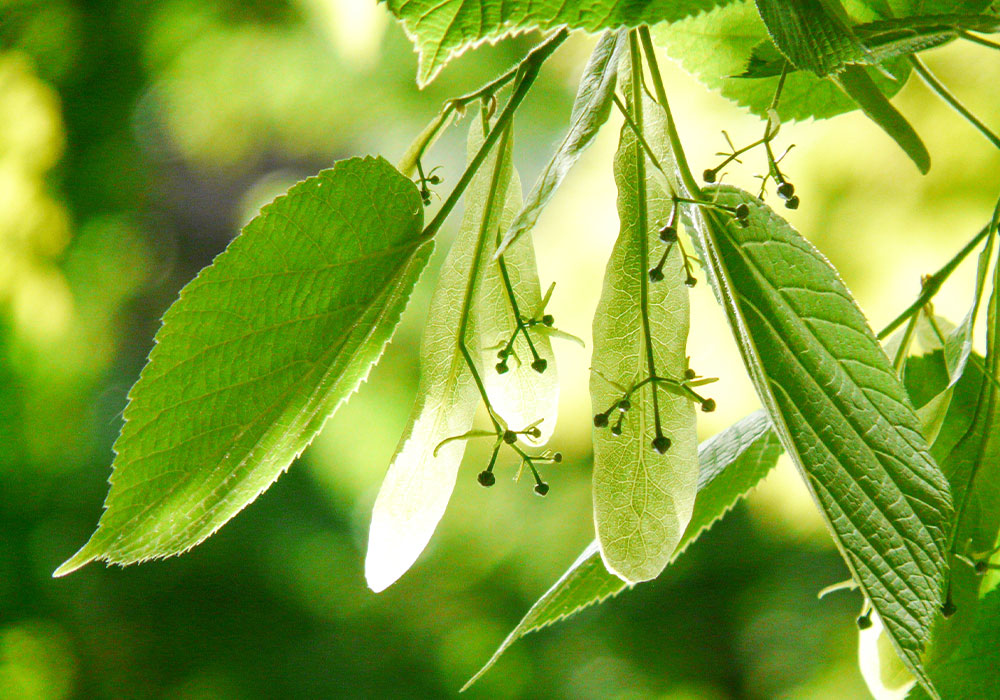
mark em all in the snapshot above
pixel 421 477
pixel 813 34
pixel 731 463
pixel 260 348
pixel 717 46
pixel 443 29
pixel 840 411
pixel 521 395
pixel 642 496
pixel 591 109
pixel 859 85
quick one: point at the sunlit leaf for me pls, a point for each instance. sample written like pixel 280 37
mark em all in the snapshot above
pixel 591 109
pixel 841 413
pixel 731 463
pixel 258 351
pixel 421 477
pixel 443 29
pixel 717 46
pixel 642 496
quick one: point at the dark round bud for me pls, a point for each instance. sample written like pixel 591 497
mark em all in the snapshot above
pixel 510 437
pixel 542 488
pixel 616 429
pixel 690 373
pixel 864 622
pixel 742 211
pixel 435 179
pixel 786 190
pixel 668 234
pixel 949 608
pixel 708 405
pixel 982 567
pixel 601 420
pixel 548 319
pixel 557 457
pixel 661 443
pixel 539 365
pixel 504 353
pixel 655 274
pixel 624 405
pixel 502 367
pixel 486 478
pixel 793 202
pixel 691 281
pixel 534 432
pixel 708 175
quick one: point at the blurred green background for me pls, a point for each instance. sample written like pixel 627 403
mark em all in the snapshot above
pixel 137 136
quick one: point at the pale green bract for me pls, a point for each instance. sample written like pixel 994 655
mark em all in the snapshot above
pixel 591 109
pixel 260 348
pixel 421 477
pixel 731 463
pixel 521 396
pixel 840 412
pixel 443 29
pixel 642 499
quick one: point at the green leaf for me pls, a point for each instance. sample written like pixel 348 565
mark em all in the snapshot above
pixel 591 109
pixel 717 46
pixel 971 671
pixel 885 39
pixel 522 396
pixel 260 348
pixel 840 411
pixel 443 29
pixel 642 498
pixel 813 34
pixel 421 477
pixel 927 375
pixel 732 462
pixel 859 85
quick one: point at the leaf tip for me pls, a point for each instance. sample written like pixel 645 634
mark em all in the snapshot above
pixel 77 561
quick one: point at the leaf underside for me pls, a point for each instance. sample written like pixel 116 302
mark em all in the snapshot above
pixel 260 348
pixel 840 411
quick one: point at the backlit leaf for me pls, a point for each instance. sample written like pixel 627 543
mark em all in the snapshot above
pixel 840 411
pixel 260 348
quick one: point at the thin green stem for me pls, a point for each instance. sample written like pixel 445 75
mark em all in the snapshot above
pixel 934 84
pixel 470 287
pixel 509 288
pixel 661 96
pixel 932 284
pixel 643 226
pixel 527 72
